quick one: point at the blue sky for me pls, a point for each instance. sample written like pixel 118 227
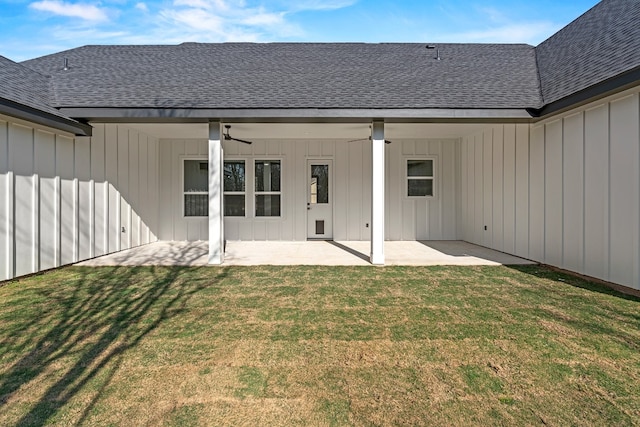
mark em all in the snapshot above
pixel 31 28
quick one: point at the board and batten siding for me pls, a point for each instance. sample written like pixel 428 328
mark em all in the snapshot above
pixel 429 218
pixel 406 219
pixel 564 191
pixel 65 198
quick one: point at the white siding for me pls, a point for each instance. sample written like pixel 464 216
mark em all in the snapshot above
pixel 596 191
pixel 571 189
pixel 522 190
pixel 624 181
pixel 553 194
pixel 497 225
pixel 6 205
pixel 21 163
pixel 432 218
pixel 509 189
pixel 55 206
pixel 406 219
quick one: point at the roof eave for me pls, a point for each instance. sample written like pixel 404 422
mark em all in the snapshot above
pixel 292 115
pixel 603 89
pixel 20 111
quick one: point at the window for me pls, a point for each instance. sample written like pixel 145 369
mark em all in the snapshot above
pixel 420 178
pixel 234 188
pixel 196 188
pixel 319 190
pixel 267 187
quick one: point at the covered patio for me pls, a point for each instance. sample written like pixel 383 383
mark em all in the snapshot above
pixel 418 253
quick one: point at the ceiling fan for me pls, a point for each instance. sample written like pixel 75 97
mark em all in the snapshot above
pixel 386 141
pixel 228 137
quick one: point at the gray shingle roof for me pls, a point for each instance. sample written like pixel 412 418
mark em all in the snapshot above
pixel 26 87
pixel 601 44
pixel 294 75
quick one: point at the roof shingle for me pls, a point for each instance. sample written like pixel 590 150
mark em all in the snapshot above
pixel 25 86
pixel 602 43
pixel 294 75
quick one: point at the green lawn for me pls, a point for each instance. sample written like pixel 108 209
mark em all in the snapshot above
pixel 317 346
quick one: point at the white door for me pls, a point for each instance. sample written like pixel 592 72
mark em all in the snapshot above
pixel 320 199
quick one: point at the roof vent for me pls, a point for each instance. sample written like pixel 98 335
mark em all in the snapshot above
pixel 66 64
pixel 430 46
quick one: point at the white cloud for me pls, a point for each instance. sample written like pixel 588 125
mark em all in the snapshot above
pixel 195 19
pixel 524 32
pixel 264 18
pixel 171 21
pixel 89 34
pixel 230 20
pixel 202 4
pixel 84 11
pixel 487 24
pixel 307 5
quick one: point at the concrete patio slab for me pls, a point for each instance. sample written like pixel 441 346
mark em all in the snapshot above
pixel 309 253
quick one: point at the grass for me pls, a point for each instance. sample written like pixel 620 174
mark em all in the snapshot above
pixel 317 346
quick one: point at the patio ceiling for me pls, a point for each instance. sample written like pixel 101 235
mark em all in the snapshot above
pixel 311 130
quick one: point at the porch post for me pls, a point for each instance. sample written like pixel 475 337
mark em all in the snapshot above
pixel 216 219
pixel 377 193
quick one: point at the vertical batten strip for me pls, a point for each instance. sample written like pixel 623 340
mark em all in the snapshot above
pixel 76 215
pixel 105 207
pixel 92 218
pixel 636 263
pixel 35 218
pixel 11 224
pixel 439 181
pixel 5 194
pixel 58 219
pixel 607 185
pixel 119 220
pixel 57 205
pixel 105 196
pixel 92 204
pixel 35 255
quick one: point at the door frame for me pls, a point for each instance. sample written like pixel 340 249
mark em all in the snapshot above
pixel 319 160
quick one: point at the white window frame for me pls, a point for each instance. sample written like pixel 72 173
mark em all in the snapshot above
pixel 433 176
pixel 183 193
pixel 256 193
pixel 247 180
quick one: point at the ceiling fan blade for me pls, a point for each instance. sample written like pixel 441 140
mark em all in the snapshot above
pixel 241 140
pixel 228 137
pixel 386 141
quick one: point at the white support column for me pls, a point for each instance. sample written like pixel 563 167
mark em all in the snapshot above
pixel 377 195
pixel 216 219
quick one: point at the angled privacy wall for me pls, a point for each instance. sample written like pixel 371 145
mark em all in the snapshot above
pixel 65 199
pixel 564 191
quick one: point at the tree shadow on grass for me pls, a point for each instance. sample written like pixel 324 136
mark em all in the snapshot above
pixel 92 317
pixel 571 280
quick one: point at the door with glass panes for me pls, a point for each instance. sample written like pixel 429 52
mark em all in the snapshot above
pixel 319 199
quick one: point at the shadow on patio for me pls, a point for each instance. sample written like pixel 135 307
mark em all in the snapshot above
pixel 310 253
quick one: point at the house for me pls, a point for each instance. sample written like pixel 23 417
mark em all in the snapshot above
pixel 533 151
